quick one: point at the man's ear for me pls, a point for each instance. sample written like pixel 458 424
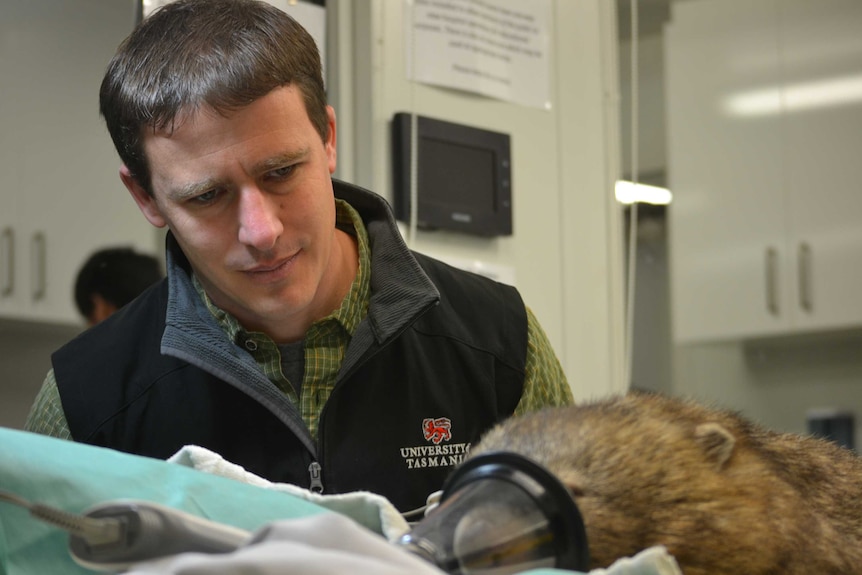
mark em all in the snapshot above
pixel 145 201
pixel 330 141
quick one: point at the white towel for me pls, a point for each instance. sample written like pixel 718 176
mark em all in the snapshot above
pixel 358 505
pixel 370 509
pixel 652 561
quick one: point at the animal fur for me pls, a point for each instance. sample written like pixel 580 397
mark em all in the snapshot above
pixel 722 494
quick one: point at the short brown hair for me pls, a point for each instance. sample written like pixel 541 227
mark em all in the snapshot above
pixel 224 54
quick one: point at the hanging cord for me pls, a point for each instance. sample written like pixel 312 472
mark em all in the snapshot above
pixel 414 134
pixel 414 176
pixel 92 530
pixel 431 503
pixel 633 208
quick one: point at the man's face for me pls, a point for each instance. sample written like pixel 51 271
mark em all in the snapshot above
pixel 249 199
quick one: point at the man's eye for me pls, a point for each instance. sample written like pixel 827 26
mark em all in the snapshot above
pixel 281 173
pixel 206 197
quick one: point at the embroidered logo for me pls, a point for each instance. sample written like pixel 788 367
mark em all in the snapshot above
pixel 437 430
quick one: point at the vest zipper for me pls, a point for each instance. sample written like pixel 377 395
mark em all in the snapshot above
pixel 314 471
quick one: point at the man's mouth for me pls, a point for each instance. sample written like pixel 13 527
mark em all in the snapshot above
pixel 263 270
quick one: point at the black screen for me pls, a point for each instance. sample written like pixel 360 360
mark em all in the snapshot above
pixel 457 176
pixel 463 180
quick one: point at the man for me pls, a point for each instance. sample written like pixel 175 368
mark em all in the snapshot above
pixel 112 277
pixel 296 334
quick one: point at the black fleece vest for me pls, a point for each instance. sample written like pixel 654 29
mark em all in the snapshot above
pixel 396 424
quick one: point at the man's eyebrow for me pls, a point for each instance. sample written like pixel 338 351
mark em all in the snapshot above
pixel 281 160
pixel 192 190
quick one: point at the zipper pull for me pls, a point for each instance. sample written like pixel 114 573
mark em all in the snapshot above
pixel 314 470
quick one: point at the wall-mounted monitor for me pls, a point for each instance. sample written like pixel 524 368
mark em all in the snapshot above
pixel 463 176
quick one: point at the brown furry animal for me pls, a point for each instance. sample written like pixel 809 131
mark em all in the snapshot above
pixel 724 495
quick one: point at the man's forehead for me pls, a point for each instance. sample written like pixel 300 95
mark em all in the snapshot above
pixel 191 116
pixel 165 128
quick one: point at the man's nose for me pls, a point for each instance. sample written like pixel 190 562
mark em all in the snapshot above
pixel 259 224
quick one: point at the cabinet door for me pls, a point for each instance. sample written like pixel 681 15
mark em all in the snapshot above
pixel 10 156
pixel 728 259
pixel 822 66
pixel 9 281
pixel 61 173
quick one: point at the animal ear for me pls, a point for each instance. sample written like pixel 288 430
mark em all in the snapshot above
pixel 717 442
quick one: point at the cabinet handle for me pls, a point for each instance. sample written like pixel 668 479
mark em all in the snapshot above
pixel 38 253
pixel 804 255
pixel 9 259
pixel 772 281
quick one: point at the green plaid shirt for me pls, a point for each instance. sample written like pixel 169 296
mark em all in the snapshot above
pixel 325 342
pixel 326 339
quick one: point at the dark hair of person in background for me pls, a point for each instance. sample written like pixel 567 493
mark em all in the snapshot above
pixel 111 278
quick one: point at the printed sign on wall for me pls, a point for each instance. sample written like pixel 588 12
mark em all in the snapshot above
pixel 498 48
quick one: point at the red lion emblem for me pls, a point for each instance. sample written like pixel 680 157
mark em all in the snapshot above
pixel 437 430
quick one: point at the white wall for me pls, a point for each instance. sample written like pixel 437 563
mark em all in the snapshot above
pixel 776 382
pixel 565 250
pixel 651 137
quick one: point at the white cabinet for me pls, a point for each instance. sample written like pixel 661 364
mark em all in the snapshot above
pixel 822 71
pixel 60 193
pixel 764 108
